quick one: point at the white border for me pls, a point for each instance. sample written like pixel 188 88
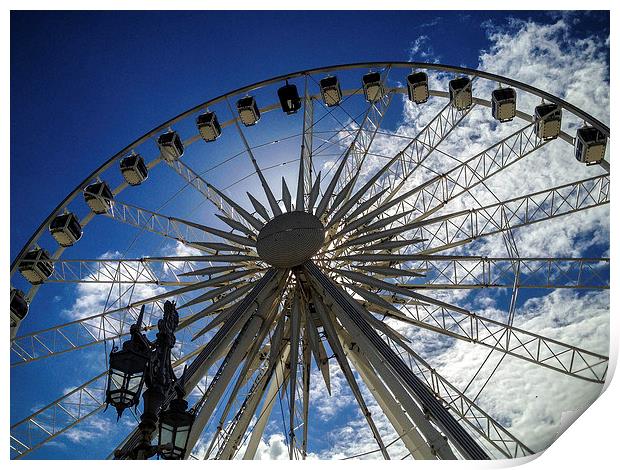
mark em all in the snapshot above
pixel 590 443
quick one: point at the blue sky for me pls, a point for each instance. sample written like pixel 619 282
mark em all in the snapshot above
pixel 83 85
pixel 99 80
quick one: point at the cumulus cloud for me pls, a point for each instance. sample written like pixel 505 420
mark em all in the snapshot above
pixel 94 298
pixel 531 400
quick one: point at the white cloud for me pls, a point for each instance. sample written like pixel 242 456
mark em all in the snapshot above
pixel 529 400
pixel 91 430
pixel 94 298
pixel 274 449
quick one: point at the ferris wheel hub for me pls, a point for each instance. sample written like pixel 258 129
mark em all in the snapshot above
pixel 290 239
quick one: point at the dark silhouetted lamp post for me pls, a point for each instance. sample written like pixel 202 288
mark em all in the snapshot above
pixel 142 362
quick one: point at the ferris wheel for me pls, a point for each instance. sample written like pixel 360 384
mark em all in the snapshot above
pixel 301 227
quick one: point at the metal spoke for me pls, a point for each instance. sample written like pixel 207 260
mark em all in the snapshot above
pixel 400 168
pixel 304 181
pixel 336 347
pixel 275 208
pixel 461 324
pixel 211 193
pixel 467 272
pixel 458 228
pixel 349 316
pixel 189 233
pixel 463 407
pixel 432 195
pixel 356 151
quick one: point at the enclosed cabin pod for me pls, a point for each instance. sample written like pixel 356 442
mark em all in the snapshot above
pixel 170 146
pixel 417 87
pixel 504 104
pixel 36 266
pixel 19 306
pixel 548 120
pixel 134 169
pixel 248 111
pixel 373 88
pixel 99 197
pixel 289 99
pixel 66 229
pixel 590 145
pixel 208 126
pixel 330 91
pixel 460 93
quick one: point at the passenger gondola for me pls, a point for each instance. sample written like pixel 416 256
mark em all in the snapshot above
pixel 170 146
pixel 548 120
pixel 66 229
pixel 504 104
pixel 134 169
pixel 208 126
pixel 289 98
pixel 460 93
pixel 330 91
pixel 36 266
pixel 417 87
pixel 98 197
pixel 373 87
pixel 19 306
pixel 248 111
pixel 590 145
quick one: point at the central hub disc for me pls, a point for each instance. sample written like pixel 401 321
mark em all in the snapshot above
pixel 290 239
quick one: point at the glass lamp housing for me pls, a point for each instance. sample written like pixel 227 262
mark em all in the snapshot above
pixel 125 378
pixel 175 424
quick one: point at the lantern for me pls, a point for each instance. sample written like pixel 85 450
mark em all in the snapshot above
pixel 126 375
pixel 175 424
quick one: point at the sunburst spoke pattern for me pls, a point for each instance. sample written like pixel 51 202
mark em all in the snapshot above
pixel 394 174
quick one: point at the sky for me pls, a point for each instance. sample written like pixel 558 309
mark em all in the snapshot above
pixel 99 80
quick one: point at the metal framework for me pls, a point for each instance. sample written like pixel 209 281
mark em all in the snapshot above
pixel 256 332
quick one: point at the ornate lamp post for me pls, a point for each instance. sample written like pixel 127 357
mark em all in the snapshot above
pixel 143 362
